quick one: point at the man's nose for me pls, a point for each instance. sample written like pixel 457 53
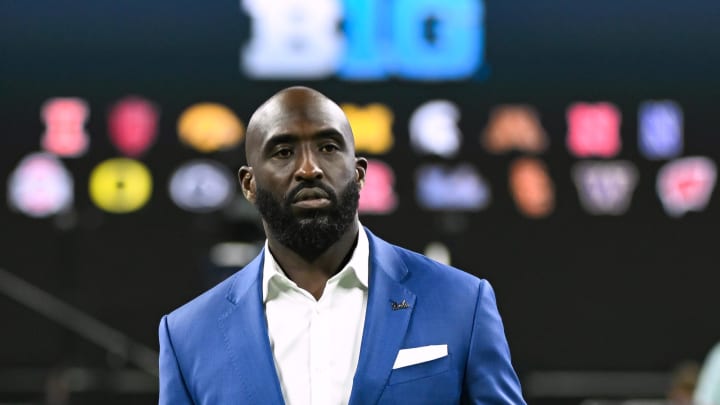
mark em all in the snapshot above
pixel 308 168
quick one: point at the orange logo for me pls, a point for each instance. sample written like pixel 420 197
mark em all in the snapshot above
pixel 531 187
pixel 208 127
pixel 514 127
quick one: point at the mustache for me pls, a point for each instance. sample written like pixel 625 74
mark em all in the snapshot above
pixel 290 197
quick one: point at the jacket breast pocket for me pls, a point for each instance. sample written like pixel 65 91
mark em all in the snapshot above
pixel 430 383
pixel 420 370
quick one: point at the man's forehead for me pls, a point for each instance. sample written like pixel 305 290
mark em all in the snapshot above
pixel 292 112
pixel 311 106
pixel 317 114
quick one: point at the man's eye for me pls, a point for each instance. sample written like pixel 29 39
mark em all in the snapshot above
pixel 330 147
pixel 283 153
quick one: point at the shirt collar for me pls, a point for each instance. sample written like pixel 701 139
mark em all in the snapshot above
pixel 358 264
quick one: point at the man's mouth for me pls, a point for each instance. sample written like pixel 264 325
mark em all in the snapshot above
pixel 311 198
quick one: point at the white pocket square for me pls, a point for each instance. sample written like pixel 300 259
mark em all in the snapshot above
pixel 417 355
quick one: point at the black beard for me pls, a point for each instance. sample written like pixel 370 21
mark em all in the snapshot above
pixel 312 234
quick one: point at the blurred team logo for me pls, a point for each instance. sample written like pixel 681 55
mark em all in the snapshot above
pixel 439 252
pixel 132 124
pixel 593 130
pixel 120 185
pixel 234 254
pixel 459 188
pixel 531 187
pixel 415 40
pixel 40 186
pixel 209 127
pixel 371 126
pixel 378 193
pixel 514 127
pixel 201 186
pixel 660 129
pixel 433 128
pixel 605 188
pixel 364 39
pixel 65 126
pixel 686 185
pixel 290 38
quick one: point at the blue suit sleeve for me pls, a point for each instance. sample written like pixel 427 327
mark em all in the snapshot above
pixel 489 377
pixel 173 390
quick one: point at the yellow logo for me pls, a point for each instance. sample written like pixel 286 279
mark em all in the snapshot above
pixel 372 127
pixel 120 185
pixel 208 127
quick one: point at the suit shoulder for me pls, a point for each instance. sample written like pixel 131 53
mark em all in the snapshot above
pixel 427 269
pixel 215 299
pixel 204 309
pixel 198 307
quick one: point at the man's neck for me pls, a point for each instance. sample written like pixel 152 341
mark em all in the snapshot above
pixel 313 275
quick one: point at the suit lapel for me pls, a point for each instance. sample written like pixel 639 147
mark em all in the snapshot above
pixel 385 327
pixel 246 337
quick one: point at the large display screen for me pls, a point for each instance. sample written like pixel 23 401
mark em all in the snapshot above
pixel 566 151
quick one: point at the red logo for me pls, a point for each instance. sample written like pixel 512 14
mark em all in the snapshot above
pixel 686 185
pixel 593 130
pixel 65 126
pixel 133 125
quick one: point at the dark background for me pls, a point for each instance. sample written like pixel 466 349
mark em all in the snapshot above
pixel 636 292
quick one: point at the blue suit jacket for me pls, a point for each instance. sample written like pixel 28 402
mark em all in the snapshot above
pixel 215 349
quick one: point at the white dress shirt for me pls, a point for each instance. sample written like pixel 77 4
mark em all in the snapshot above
pixel 316 343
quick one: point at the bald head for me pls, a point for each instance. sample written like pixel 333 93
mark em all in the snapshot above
pixel 292 108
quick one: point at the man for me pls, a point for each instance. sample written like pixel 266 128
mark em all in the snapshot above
pixel 328 313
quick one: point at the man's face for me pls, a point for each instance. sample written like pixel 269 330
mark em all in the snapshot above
pixel 304 179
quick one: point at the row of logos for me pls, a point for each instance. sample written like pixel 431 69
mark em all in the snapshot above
pixel 41 186
pixel 593 129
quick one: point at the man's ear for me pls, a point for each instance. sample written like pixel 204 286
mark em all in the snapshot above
pixel 247 183
pixel 360 171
